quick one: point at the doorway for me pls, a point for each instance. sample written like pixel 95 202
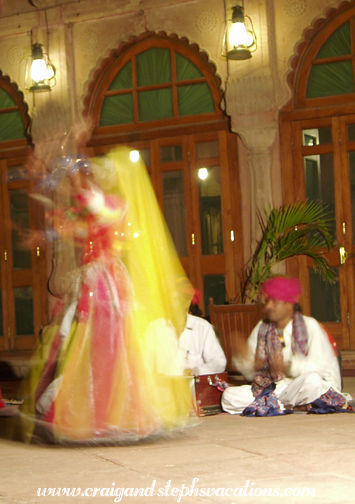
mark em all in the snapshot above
pixel 22 274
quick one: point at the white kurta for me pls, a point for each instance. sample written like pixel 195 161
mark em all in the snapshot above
pixel 197 348
pixel 307 377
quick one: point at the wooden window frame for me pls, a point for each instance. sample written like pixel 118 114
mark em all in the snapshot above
pixel 111 66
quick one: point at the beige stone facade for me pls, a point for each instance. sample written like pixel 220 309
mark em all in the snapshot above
pixel 83 32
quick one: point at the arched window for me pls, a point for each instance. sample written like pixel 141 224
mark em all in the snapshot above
pixel 162 77
pixel 14 120
pixel 161 95
pixel 318 146
pixel 326 68
pixel 332 69
pixel 154 78
pixel 11 122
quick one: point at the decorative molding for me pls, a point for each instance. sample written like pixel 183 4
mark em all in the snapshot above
pixel 295 8
pixel 250 95
pixel 258 140
pixel 206 22
pixel 15 55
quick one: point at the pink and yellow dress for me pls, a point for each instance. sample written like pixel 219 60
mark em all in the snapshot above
pixel 95 379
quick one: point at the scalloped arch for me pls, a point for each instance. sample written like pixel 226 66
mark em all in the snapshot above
pixel 12 89
pixel 103 75
pixel 312 40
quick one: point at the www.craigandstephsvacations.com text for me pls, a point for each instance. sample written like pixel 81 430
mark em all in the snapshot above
pixel 247 490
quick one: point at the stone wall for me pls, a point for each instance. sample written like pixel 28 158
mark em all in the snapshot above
pixel 82 32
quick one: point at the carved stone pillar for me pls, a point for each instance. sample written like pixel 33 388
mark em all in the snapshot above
pixel 259 141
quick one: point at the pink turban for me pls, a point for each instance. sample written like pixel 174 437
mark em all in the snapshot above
pixel 197 296
pixel 284 289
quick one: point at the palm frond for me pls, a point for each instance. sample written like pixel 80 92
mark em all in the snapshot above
pixel 292 230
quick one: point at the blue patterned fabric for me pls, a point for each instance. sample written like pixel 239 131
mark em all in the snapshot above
pixel 269 352
pixel 265 404
pixel 330 402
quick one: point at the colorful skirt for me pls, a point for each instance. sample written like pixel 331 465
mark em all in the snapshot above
pixel 94 378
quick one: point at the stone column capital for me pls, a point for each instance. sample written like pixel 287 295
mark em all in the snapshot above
pixel 258 139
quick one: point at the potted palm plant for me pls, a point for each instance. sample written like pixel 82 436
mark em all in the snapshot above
pixel 298 229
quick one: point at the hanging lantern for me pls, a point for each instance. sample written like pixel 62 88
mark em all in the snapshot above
pixel 239 39
pixel 40 73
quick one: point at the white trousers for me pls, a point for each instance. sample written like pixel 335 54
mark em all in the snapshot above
pixel 304 389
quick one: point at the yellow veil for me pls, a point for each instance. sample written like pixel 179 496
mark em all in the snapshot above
pixel 159 281
pixel 143 401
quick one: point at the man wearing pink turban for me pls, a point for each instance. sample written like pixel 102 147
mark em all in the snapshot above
pixel 289 361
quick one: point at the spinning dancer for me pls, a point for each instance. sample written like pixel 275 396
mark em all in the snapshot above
pixel 96 382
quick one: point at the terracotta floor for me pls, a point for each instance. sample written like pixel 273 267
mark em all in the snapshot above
pixel 280 455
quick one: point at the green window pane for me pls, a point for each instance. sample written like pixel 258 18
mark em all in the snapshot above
pixel 170 153
pixel 6 100
pixel 117 110
pixel 214 287
pixel 325 299
pixel 319 179
pixel 20 218
pixel 17 173
pixel 211 212
pixel 175 208
pixel 351 132
pixel 153 67
pixel 11 126
pixel 145 155
pixel 330 79
pixel 123 79
pixel 195 99
pixel 312 178
pixel 338 44
pixel 205 150
pixel 155 104
pixel 185 70
pixel 317 136
pixel 24 311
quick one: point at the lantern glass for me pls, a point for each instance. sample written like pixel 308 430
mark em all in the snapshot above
pixel 238 35
pixel 39 70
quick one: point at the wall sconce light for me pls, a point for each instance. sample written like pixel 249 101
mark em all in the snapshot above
pixel 239 39
pixel 203 173
pixel 40 72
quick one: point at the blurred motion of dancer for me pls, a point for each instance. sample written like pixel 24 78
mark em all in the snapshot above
pixel 94 382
